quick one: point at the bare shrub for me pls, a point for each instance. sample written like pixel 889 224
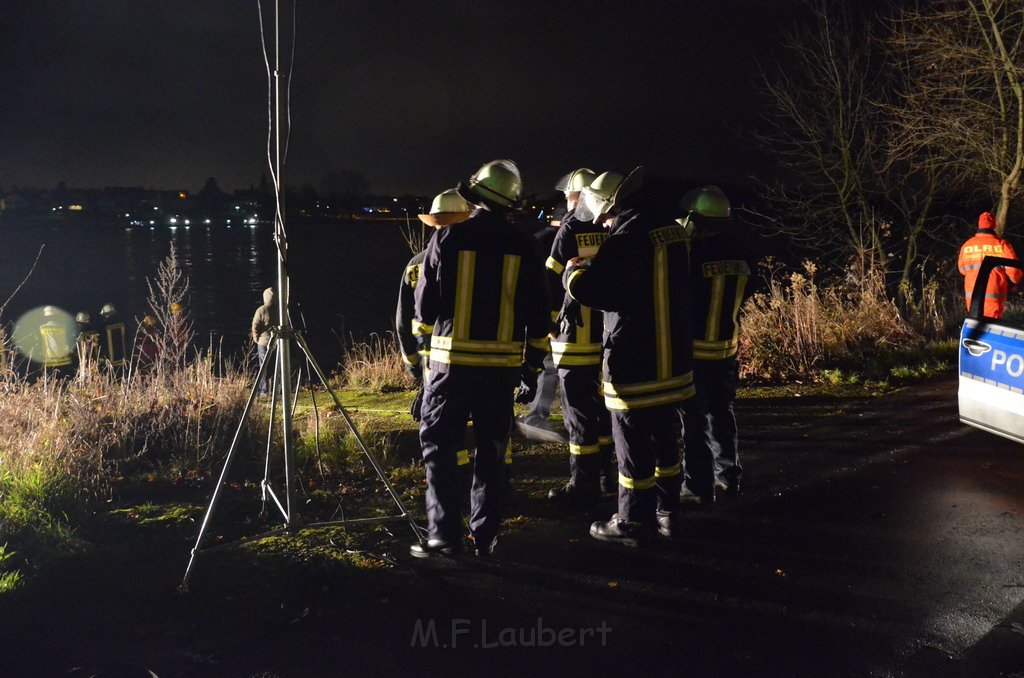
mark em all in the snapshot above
pixel 795 327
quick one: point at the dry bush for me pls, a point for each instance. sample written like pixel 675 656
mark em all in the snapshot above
pixel 376 364
pixel 796 327
pixel 96 426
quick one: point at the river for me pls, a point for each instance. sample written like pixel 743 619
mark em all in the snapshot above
pixel 344 275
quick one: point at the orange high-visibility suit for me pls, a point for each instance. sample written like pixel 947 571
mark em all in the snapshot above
pixel 985 243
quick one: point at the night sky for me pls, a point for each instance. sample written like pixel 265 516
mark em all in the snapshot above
pixel 414 95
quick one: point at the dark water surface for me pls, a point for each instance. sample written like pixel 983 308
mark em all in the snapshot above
pixel 345 275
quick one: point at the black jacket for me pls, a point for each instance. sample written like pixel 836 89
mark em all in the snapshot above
pixel 582 345
pixel 640 279
pixel 721 262
pixel 405 311
pixel 480 298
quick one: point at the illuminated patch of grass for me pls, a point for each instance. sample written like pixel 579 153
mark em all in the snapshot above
pixel 152 514
pixel 326 545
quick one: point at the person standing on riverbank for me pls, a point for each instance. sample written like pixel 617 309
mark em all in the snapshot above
pixel 482 309
pixel 448 207
pixel 263 321
pixel 115 350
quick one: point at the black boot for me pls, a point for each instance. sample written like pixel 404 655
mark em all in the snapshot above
pixel 619 531
pixel 669 525
pixel 574 495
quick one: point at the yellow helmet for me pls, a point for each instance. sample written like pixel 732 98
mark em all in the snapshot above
pixel 149 321
pixel 497 183
pixel 576 180
pixel 448 208
pixel 609 189
pixel 177 308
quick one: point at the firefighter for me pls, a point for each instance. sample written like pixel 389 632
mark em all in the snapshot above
pixel 88 340
pixel 481 307
pixel 148 342
pixel 448 207
pixel 114 346
pixel 720 269
pixel 639 278
pixel 1002 280
pixel 535 424
pixel 57 345
pixel 576 351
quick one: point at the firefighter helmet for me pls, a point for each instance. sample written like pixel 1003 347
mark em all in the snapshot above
pixel 82 318
pixel 576 180
pixel 498 184
pixel 49 311
pixel 108 310
pixel 708 201
pixel 448 208
pixel 149 321
pixel 609 189
pixel 177 308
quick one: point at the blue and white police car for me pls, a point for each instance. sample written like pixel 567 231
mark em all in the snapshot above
pixel 991 390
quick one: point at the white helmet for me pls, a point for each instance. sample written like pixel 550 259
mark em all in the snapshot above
pixel 448 208
pixel 608 190
pixel 496 183
pixel 108 310
pixel 576 180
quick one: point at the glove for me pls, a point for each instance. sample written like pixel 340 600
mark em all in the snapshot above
pixel 570 317
pixel 415 371
pixel 527 389
pixel 417 406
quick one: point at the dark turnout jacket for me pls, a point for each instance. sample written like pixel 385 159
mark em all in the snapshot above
pixel 480 300
pixel 406 310
pixel 581 345
pixel 721 261
pixel 640 279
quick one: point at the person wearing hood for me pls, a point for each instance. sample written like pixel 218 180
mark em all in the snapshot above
pixel 1003 280
pixel 263 323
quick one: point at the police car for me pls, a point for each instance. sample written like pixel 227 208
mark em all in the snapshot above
pixel 991 390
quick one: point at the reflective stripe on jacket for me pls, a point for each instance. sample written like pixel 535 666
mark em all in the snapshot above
pixel 480 300
pixel 640 279
pixel 987 243
pixel 582 344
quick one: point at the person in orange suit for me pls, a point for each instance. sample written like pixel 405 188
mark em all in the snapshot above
pixel 1003 280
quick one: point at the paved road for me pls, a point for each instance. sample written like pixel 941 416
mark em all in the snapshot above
pixel 875 536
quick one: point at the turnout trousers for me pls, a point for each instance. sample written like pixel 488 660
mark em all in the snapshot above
pixel 582 406
pixel 709 426
pixel 647 447
pixel 483 395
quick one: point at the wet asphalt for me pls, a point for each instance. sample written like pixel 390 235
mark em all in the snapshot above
pixel 873 536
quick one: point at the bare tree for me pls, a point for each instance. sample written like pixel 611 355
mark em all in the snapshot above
pixel 820 127
pixel 961 101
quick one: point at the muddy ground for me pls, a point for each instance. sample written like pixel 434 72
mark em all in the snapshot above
pixel 874 536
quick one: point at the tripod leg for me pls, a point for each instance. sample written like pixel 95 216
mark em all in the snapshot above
pixel 183 587
pixel 270 428
pixel 355 432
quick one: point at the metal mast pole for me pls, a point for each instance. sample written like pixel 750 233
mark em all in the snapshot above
pixel 284 337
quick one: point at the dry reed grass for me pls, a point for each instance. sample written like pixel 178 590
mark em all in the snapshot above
pixel 796 327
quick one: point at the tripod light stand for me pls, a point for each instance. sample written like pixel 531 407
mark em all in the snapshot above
pixel 279 354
